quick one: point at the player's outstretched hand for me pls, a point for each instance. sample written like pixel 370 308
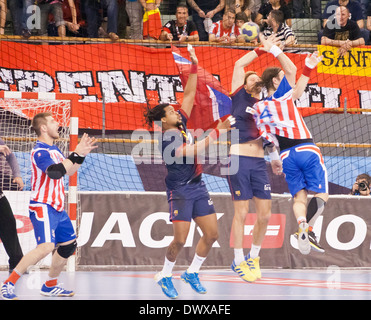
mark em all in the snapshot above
pixel 312 60
pixel 226 124
pixel 269 42
pixel 4 149
pixel 192 54
pixel 86 145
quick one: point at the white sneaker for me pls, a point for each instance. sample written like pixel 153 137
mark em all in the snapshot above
pixel 303 239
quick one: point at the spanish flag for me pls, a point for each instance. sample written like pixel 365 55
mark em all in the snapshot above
pixel 152 24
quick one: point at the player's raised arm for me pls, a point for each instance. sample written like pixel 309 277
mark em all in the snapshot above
pixel 239 68
pixel 85 146
pixel 288 66
pixel 191 86
pixel 311 61
pixel 192 150
pixel 71 164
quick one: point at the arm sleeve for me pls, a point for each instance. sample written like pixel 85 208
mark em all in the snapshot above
pixel 43 159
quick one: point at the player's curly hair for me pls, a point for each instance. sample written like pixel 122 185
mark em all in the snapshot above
pixel 267 77
pixel 155 114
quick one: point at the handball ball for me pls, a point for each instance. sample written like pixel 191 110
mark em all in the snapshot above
pixel 250 31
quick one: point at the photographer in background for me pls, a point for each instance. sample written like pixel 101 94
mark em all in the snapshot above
pixel 362 185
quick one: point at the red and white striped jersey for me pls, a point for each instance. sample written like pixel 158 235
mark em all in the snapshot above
pixel 43 188
pixel 219 31
pixel 278 115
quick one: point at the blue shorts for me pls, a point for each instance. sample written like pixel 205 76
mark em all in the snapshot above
pixel 188 209
pixel 304 168
pixel 251 179
pixel 50 225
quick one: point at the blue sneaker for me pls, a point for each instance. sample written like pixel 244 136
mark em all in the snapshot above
pixel 7 291
pixel 166 284
pixel 194 281
pixel 56 291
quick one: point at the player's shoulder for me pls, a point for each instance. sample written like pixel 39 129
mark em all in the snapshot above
pixel 284 90
pixel 43 149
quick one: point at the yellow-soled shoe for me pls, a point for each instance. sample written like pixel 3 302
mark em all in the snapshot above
pixel 254 266
pixel 243 270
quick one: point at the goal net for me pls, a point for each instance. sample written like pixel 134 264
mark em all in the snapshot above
pixel 16 112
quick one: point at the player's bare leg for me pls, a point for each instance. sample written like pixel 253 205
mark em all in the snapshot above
pixel 239 265
pixel 164 277
pixel 58 262
pixel 241 209
pixel 30 259
pixel 209 227
pixel 263 208
pixel 181 230
pixel 300 211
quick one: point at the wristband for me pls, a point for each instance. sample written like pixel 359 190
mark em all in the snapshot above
pixel 275 51
pixel 194 68
pixel 259 51
pixel 307 71
pixel 76 158
pixel 214 134
pixel 274 155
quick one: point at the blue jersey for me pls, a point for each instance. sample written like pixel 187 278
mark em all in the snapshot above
pixel 242 110
pixel 183 180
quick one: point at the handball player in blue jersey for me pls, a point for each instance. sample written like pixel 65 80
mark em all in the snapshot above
pixel 251 181
pixel 187 194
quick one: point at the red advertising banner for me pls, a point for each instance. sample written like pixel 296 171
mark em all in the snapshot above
pixel 124 77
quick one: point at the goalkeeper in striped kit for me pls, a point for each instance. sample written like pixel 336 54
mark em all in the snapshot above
pixel 280 122
pixel 51 223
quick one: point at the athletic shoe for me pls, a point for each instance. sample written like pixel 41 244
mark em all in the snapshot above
pixel 303 238
pixel 243 270
pixel 7 291
pixel 194 281
pixel 166 284
pixel 55 291
pixel 313 242
pixel 254 266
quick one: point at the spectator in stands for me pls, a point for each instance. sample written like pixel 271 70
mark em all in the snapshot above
pixel 279 28
pixel 355 11
pixel 298 8
pixel 205 9
pixel 369 21
pixel 134 10
pixel 93 11
pixel 11 181
pixel 225 30
pixel 261 18
pixel 344 34
pixel 249 7
pixel 241 19
pixel 55 8
pixel 3 11
pixel 362 185
pixel 152 24
pixel 75 24
pixel 180 29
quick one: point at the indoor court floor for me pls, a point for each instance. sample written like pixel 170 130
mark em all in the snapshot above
pixel 276 284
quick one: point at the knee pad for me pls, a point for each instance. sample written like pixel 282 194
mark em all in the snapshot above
pixel 67 250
